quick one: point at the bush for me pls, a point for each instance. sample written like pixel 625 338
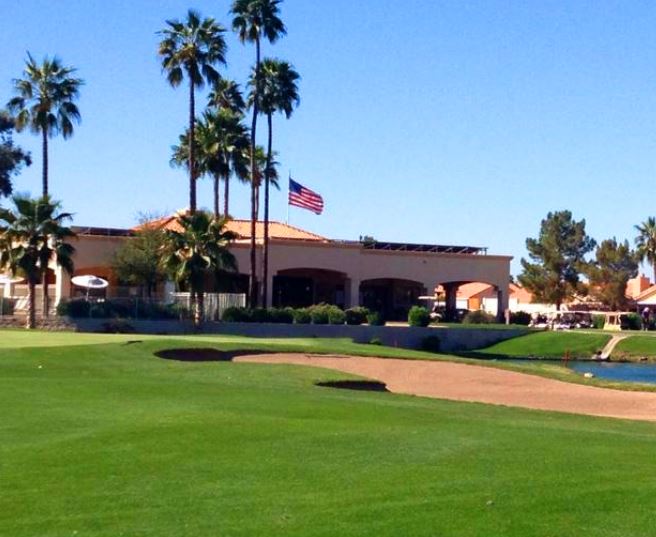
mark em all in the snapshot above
pixel 356 316
pixel 302 316
pixel 479 317
pixel 598 321
pixel 430 344
pixel 280 315
pixel 375 318
pixel 418 316
pixel 73 308
pixel 375 341
pixel 632 321
pixel 236 315
pixel 336 315
pixel 520 317
pixel 7 306
pixel 320 314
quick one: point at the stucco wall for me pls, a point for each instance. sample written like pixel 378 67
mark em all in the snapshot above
pixel 451 339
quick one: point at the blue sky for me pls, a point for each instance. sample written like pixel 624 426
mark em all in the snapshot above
pixel 452 122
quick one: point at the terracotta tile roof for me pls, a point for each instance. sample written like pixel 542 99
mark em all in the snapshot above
pixel 471 290
pixel 647 293
pixel 277 230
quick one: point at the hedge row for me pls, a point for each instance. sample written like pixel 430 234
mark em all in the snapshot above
pixel 109 309
pixel 319 314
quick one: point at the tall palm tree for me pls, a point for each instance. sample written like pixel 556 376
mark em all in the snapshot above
pixel 45 103
pixel 278 93
pixel 197 251
pixel 646 242
pixel 30 236
pixel 254 20
pixel 192 48
pixel 226 95
pixel 261 172
pixel 222 151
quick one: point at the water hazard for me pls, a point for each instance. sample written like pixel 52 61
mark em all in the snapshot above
pixel 616 371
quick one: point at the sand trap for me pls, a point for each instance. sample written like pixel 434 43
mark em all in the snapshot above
pixel 460 382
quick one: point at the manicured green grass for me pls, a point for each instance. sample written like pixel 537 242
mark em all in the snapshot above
pixel 636 346
pixel 550 345
pixel 106 439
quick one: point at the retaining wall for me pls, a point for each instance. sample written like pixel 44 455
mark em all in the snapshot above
pixel 451 339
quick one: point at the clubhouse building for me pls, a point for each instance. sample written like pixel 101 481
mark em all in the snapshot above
pixel 306 268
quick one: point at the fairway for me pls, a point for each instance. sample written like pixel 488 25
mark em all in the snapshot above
pixel 106 439
pixel 551 345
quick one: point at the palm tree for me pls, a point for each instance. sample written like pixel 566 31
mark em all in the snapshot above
pixel 226 95
pixel 30 237
pixel 254 20
pixel 646 242
pixel 278 93
pixel 222 151
pixel 192 48
pixel 198 250
pixel 44 103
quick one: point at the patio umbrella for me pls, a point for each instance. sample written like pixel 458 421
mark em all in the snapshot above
pixel 5 279
pixel 89 282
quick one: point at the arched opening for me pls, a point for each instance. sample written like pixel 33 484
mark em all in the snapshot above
pixel 302 287
pixel 455 299
pixel 393 297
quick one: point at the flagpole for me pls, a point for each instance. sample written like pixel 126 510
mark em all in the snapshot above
pixel 290 177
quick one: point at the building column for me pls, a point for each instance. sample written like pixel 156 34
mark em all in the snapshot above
pixel 352 293
pixel 451 307
pixel 62 285
pixel 8 289
pixel 269 297
pixel 502 305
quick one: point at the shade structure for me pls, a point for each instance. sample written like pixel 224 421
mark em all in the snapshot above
pixel 89 281
pixel 5 279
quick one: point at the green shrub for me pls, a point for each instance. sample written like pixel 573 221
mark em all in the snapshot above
pixel 520 317
pixel 7 306
pixel 336 315
pixel 632 321
pixel 375 341
pixel 430 344
pixel 235 314
pixel 302 316
pixel 418 316
pixel 356 316
pixel 320 314
pixel 598 321
pixel 280 315
pixel 375 318
pixel 73 308
pixel 479 317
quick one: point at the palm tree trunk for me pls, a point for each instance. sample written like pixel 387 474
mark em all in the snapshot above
pixel 226 193
pixel 31 305
pixel 216 196
pixel 654 267
pixel 44 172
pixel 253 260
pixel 46 298
pixel 200 308
pixel 192 149
pixel 265 262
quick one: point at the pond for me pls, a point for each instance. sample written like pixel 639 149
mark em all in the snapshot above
pixel 616 371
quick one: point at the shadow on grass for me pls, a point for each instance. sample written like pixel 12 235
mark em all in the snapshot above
pixel 359 385
pixel 204 355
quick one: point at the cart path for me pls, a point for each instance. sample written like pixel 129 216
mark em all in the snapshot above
pixel 462 382
pixel 610 346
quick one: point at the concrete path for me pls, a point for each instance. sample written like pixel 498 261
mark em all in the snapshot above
pixel 610 346
pixel 461 382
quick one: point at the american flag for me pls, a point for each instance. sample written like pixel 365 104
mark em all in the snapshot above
pixel 299 196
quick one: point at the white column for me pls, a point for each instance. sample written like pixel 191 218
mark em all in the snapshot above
pixel 269 297
pixel 169 289
pixel 62 285
pixel 352 291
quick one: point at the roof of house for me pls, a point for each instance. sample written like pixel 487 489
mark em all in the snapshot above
pixel 648 293
pixel 242 228
pixel 475 289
